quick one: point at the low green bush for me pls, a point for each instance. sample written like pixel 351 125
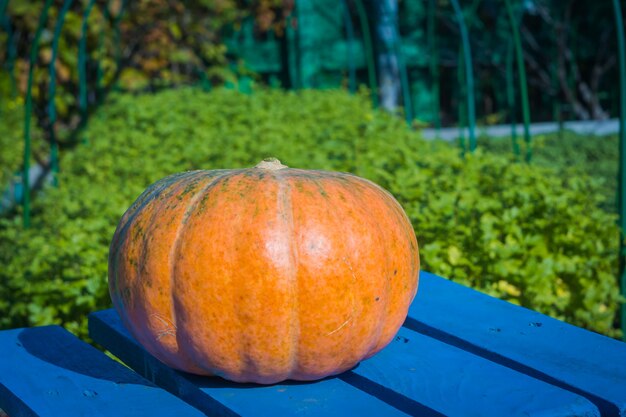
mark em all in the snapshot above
pixel 12 134
pixel 11 142
pixel 523 233
pixel 573 154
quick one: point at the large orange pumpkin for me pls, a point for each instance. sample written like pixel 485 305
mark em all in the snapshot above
pixel 264 274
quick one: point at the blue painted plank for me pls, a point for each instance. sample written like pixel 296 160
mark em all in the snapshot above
pixel 583 362
pixel 416 374
pixel 215 396
pixel 46 371
pixel 454 382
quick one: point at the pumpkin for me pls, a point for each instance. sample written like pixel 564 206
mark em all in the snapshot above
pixel 263 274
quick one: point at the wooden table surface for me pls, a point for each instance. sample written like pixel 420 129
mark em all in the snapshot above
pixel 459 353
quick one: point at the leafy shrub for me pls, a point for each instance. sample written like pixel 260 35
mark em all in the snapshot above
pixel 11 140
pixel 12 134
pixel 573 154
pixel 518 232
pixel 159 43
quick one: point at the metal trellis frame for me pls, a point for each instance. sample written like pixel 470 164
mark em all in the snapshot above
pixel 521 70
pixel 510 97
pixel 369 50
pixel 82 67
pixel 28 109
pixel 469 75
pixel 52 113
pixel 622 159
pixel 434 60
pixel 350 46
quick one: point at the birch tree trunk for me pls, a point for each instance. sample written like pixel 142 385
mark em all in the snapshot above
pixel 385 18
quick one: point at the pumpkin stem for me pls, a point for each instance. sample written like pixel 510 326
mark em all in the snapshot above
pixel 271 164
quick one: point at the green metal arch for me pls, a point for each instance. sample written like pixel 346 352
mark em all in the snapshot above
pixel 469 75
pixel 510 96
pixel 521 69
pixel 82 67
pixel 28 108
pixel 621 49
pixel 350 49
pixel 433 63
pixel 369 50
pixel 99 72
pixel 52 114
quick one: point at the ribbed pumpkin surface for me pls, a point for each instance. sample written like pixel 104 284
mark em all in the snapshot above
pixel 263 274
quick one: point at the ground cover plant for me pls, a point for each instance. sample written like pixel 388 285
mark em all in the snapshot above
pixel 572 154
pixel 521 232
pixel 12 134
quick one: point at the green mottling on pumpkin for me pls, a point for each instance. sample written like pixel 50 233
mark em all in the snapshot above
pixel 138 232
pixel 126 295
pixel 301 188
pixel 206 201
pixel 203 200
pixel 189 188
pixel 320 187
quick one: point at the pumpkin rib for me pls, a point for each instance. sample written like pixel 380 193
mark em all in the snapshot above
pixel 157 310
pixel 144 199
pixel 332 208
pixel 402 223
pixel 246 362
pixel 362 202
pixel 309 211
pixel 199 196
pixel 339 225
pixel 406 225
pixel 284 191
pixel 265 191
pixel 121 234
pixel 403 218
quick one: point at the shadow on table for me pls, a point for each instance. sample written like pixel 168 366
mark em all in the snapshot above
pixel 58 347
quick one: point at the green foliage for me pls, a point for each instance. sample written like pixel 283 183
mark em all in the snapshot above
pixel 12 134
pixel 11 138
pixel 519 232
pixel 572 155
pixel 133 45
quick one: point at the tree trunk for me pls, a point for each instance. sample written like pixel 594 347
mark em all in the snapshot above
pixel 385 14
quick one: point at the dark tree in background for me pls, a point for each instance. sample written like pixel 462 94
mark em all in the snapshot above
pixel 584 40
pixel 569 50
pixel 569 53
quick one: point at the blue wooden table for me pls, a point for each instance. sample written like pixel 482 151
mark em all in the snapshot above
pixel 459 353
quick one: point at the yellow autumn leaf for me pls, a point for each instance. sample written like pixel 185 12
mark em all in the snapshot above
pixel 509 288
pixel 454 255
